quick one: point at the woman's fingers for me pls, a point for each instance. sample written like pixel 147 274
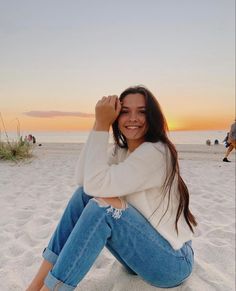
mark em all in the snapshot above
pixel 104 99
pixel 112 100
pixel 107 109
pixel 115 102
pixel 109 99
pixel 118 106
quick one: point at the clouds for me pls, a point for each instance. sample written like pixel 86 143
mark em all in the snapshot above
pixel 51 114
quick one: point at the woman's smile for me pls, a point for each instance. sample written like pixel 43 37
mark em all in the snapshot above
pixel 132 120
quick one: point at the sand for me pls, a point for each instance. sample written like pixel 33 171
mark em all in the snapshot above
pixel 33 195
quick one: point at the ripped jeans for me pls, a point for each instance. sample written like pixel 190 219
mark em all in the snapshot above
pixel 87 226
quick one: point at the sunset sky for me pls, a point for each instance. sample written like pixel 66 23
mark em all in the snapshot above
pixel 59 57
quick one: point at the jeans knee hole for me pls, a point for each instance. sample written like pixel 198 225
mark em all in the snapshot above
pixel 100 202
pixel 115 212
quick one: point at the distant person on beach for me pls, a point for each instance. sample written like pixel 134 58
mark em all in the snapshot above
pixel 231 141
pixel 226 140
pixel 135 202
pixel 30 139
pixel 208 142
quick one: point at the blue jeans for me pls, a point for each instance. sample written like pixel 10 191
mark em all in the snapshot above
pixel 86 227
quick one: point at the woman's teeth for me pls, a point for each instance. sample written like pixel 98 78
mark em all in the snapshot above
pixel 132 127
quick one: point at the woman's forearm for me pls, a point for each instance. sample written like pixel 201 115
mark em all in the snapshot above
pixel 101 126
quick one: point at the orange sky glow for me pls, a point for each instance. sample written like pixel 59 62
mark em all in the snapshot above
pixel 184 54
pixel 31 124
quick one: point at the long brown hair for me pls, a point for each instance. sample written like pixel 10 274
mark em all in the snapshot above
pixel 157 131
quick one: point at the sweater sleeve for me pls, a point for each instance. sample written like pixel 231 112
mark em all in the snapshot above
pixel 143 169
pixel 79 170
pixel 112 159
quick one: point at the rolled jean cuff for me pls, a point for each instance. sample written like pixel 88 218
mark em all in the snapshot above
pixel 50 256
pixel 54 284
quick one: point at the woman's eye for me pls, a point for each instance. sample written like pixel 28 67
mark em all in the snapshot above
pixel 125 112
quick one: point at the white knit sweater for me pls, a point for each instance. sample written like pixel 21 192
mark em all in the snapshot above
pixel 138 177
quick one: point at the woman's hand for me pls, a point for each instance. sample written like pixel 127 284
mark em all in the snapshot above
pixel 106 111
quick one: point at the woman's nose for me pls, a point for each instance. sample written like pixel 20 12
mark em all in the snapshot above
pixel 133 116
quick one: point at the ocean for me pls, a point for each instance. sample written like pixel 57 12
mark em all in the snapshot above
pixel 177 137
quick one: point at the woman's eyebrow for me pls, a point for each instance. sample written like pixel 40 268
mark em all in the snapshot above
pixel 126 107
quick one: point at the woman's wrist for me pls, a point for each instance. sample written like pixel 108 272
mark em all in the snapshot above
pixel 101 127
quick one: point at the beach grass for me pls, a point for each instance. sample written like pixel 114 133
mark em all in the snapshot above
pixel 15 150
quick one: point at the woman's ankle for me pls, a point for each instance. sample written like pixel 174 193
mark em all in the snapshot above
pixel 38 281
pixel 34 287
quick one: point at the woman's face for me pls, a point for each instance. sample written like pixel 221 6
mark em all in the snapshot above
pixel 132 120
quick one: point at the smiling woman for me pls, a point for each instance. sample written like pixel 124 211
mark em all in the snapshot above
pixel 132 200
pixel 132 121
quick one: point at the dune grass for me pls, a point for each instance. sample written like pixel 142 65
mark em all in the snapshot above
pixel 15 150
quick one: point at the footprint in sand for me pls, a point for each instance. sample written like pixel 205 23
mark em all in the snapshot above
pixel 23 214
pixel 3 261
pixel 15 250
pixel 9 228
pixel 55 205
pixel 42 221
pixel 42 234
pixel 25 239
pixel 21 223
pixel 29 258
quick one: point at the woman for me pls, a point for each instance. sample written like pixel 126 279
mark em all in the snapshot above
pixel 135 203
pixel 231 141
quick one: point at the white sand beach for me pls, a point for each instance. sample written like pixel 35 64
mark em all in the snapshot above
pixel 33 194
